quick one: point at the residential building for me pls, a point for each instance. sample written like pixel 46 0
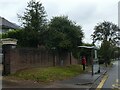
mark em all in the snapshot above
pixel 6 25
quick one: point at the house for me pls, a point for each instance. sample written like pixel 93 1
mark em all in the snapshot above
pixel 6 25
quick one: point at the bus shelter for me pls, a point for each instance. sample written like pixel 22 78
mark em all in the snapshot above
pixel 94 58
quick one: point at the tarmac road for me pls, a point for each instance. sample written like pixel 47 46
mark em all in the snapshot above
pixel 113 77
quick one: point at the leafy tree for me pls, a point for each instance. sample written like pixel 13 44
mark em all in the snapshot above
pixel 34 24
pixel 34 17
pixel 118 48
pixel 24 38
pixel 15 34
pixel 63 34
pixel 107 33
pixel 106 51
pixel 115 52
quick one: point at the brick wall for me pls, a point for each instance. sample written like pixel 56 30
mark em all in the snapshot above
pixel 22 58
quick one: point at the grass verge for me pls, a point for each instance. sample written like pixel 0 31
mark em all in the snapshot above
pixel 49 74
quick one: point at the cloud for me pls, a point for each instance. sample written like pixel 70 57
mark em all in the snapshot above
pixel 10 8
pixel 86 13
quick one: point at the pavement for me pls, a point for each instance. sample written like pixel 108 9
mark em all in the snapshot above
pixel 83 81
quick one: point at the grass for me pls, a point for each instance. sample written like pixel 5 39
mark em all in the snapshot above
pixel 49 74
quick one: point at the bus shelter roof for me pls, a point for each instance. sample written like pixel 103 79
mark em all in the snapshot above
pixel 88 47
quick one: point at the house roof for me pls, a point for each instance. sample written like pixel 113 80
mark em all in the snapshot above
pixel 5 24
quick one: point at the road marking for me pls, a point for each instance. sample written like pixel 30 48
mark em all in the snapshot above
pixel 102 82
pixel 116 86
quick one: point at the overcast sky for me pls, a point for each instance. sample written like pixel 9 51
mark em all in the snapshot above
pixel 86 13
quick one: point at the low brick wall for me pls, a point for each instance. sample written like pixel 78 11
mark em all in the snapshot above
pixel 22 58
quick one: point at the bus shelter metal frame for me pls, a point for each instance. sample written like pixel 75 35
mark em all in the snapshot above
pixel 94 57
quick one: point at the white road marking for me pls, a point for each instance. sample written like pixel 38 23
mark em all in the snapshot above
pixel 116 85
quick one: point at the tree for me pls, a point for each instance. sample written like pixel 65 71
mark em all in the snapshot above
pixel 106 51
pixel 64 34
pixel 34 17
pixel 34 23
pixel 15 34
pixel 107 33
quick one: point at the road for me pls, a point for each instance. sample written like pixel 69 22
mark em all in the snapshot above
pixel 113 77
